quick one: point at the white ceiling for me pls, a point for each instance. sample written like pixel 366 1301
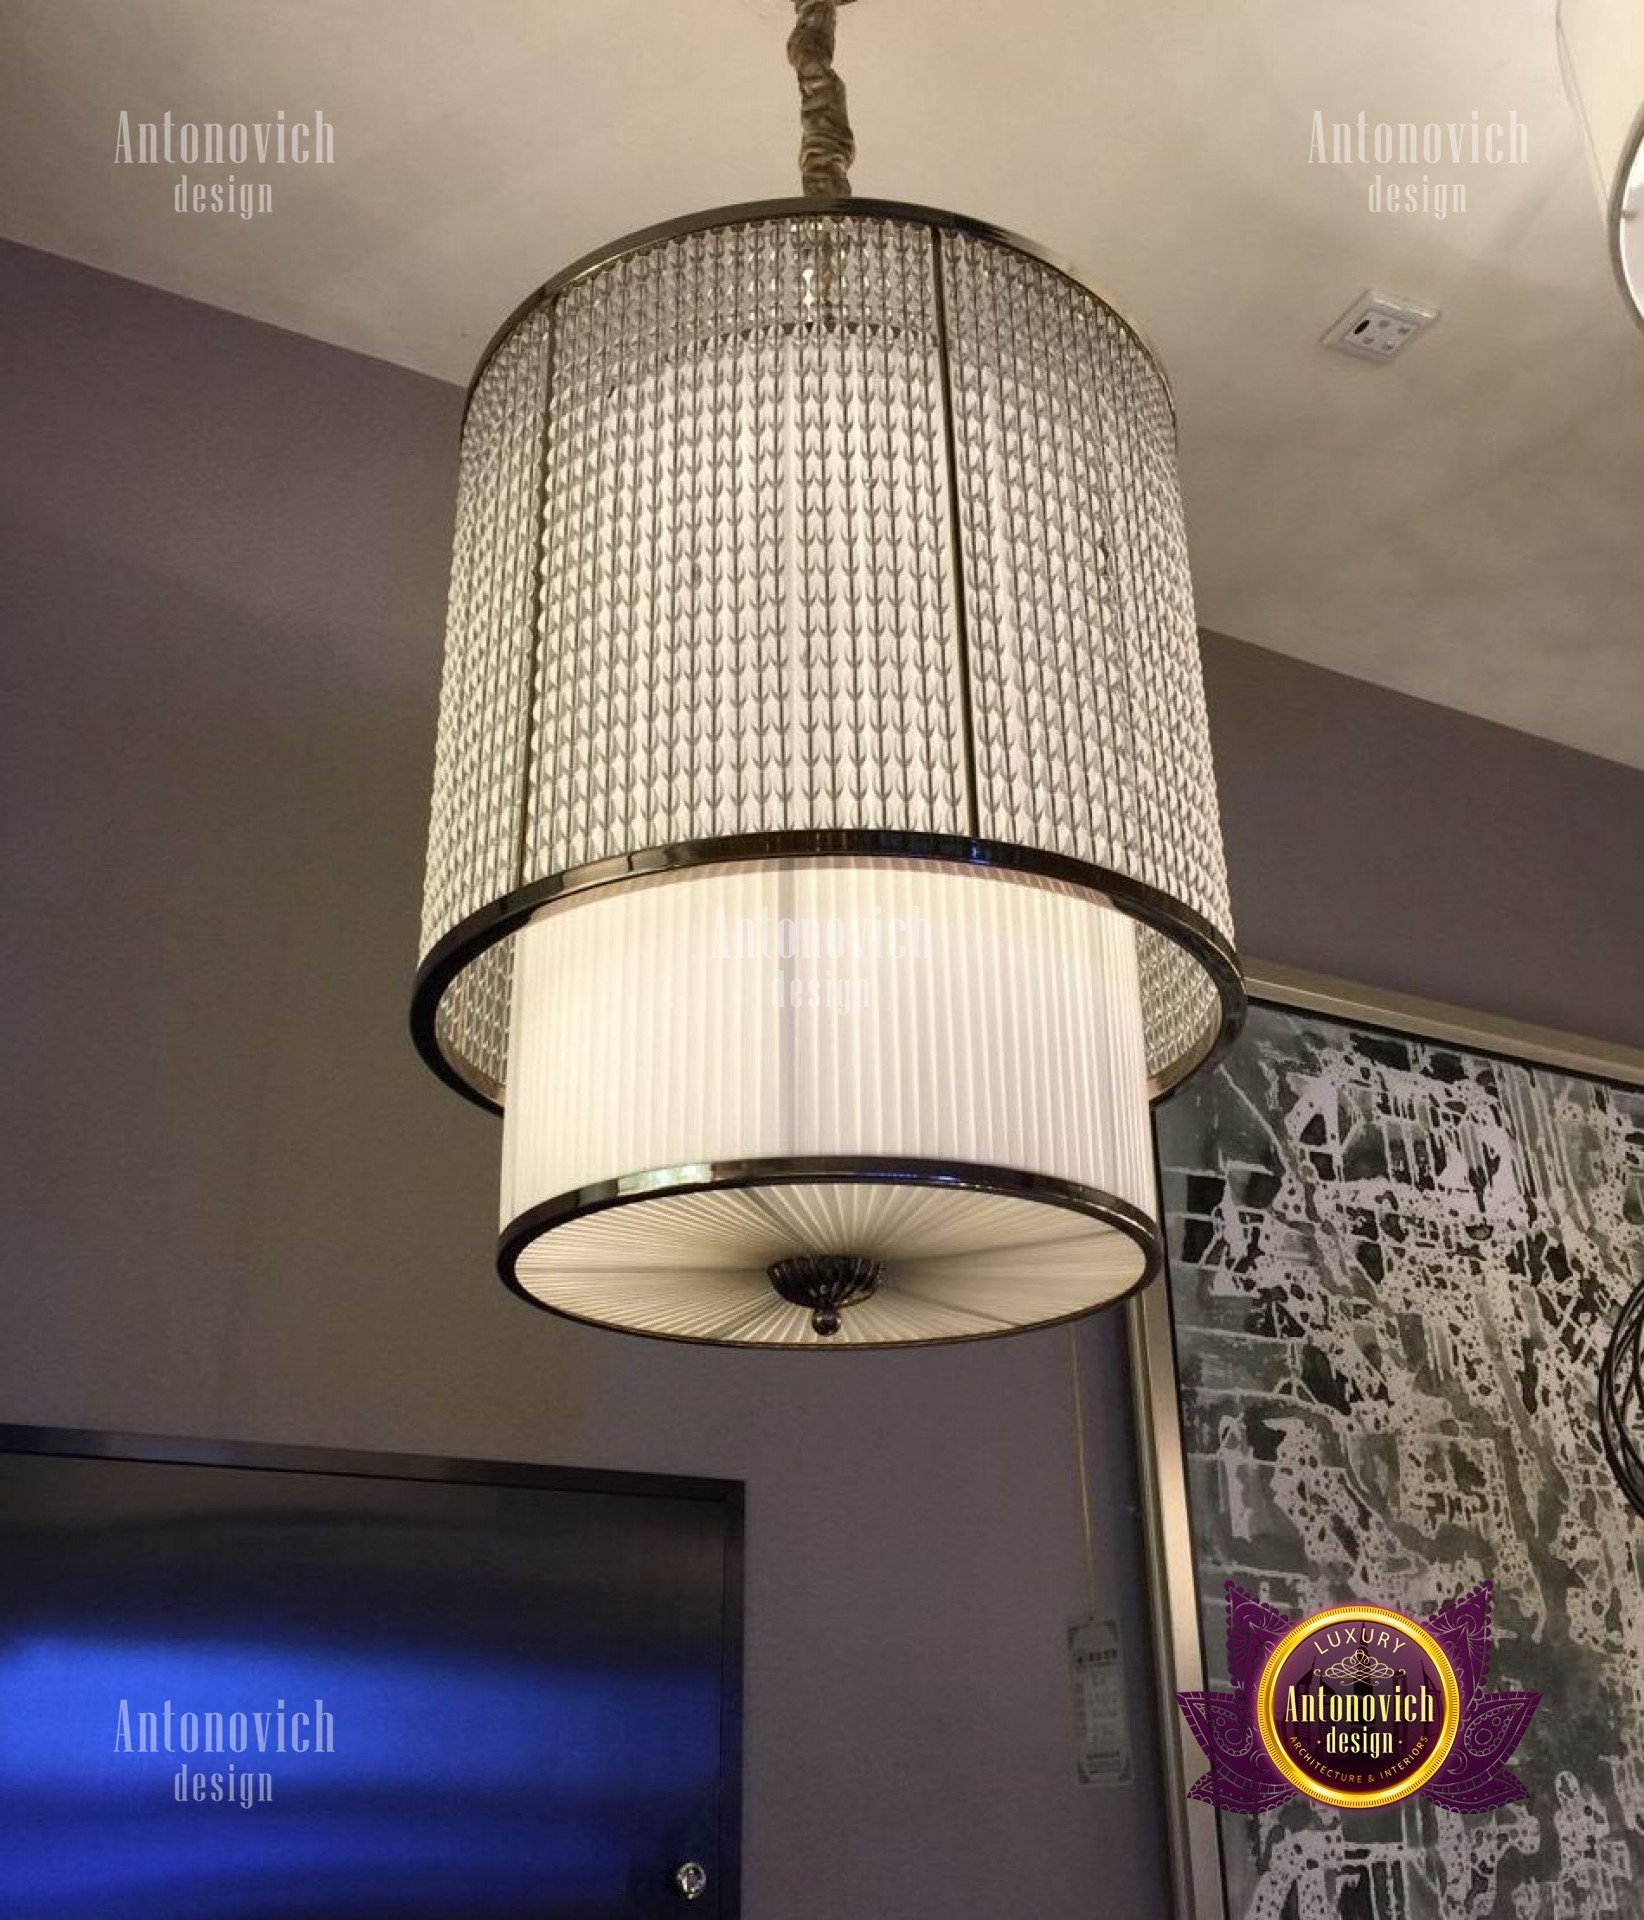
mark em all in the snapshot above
pixel 1466 524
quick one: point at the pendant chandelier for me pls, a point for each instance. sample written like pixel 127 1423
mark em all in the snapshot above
pixel 1601 50
pixel 825 870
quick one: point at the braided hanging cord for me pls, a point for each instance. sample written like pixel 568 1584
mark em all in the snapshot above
pixel 826 145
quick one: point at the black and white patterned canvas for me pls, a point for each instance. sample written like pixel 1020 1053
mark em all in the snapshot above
pixel 1394 1266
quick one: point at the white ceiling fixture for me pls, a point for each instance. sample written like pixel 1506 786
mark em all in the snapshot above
pixel 1601 48
pixel 1379 326
pixel 825 866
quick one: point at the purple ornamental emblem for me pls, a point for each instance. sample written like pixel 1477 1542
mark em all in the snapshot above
pixel 1357 1707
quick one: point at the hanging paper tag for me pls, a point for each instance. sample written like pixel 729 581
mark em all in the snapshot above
pixel 1099 1702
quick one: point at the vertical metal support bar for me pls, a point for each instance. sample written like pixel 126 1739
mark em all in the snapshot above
pixel 956 543
pixel 534 677
pixel 1178 1651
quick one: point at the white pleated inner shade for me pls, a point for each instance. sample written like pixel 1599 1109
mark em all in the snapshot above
pixel 972 1039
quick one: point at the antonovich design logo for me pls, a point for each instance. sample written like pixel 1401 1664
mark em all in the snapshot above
pixel 273 1731
pixel 1358 1706
pixel 279 142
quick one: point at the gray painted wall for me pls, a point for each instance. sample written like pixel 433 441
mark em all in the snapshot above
pixel 1388 840
pixel 235 1205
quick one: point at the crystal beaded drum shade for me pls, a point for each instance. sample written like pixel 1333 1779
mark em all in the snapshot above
pixel 841 535
pixel 828 521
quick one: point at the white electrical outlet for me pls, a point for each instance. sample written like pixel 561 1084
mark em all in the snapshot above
pixel 1379 325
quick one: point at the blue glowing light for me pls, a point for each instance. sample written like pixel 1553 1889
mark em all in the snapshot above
pixel 455 1785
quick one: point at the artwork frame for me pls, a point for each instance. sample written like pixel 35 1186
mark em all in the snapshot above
pixel 1198 1867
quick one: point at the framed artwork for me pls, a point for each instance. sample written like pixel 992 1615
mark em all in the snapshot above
pixel 1398 1238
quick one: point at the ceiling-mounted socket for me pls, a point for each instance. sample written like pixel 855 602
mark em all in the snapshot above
pixel 1379 326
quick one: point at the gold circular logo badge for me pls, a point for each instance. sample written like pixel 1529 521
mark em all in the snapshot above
pixel 1358 1706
